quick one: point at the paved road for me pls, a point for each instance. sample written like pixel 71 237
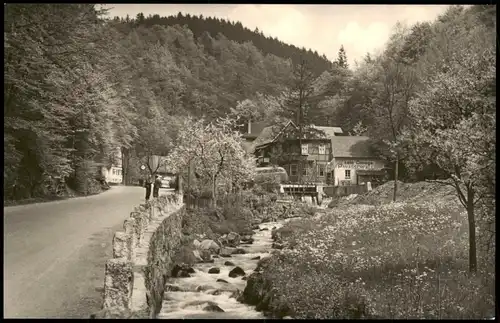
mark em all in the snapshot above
pixel 55 253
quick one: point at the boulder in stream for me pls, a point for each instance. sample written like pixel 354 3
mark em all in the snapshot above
pixel 236 271
pixel 210 245
pixel 256 258
pixel 228 263
pixel 197 255
pixel 206 255
pixel 254 290
pixel 227 252
pixel 255 227
pixel 264 229
pixel 247 239
pixel 173 288
pixel 213 308
pixel 233 239
pixel 239 251
pixel 214 270
pixel 182 270
pixel 221 281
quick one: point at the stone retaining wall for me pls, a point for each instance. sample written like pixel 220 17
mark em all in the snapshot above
pixel 142 259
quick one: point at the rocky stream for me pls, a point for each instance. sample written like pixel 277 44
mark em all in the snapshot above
pixel 210 289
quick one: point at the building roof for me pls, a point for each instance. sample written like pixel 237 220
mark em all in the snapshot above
pixel 269 134
pixel 329 131
pixel 351 146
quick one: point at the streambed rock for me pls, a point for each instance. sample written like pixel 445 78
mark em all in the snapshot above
pixel 210 245
pixel 197 255
pixel 214 270
pixel 227 252
pixel 239 251
pixel 236 271
pixel 206 255
pixel 213 308
pixel 247 240
pixel 173 288
pixel 183 270
pixel 233 239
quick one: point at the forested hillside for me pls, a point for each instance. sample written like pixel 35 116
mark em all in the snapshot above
pixel 78 86
pixel 235 31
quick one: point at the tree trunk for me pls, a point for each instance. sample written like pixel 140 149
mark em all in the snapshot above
pixel 472 230
pixel 189 184
pixel 125 160
pixel 396 174
pixel 214 194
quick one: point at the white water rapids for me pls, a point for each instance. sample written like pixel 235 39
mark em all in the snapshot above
pixel 189 303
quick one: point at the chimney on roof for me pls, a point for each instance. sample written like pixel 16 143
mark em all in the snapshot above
pixel 249 126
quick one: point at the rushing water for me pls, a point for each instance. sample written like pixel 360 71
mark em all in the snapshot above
pixel 189 303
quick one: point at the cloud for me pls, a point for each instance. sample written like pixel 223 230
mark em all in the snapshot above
pixel 282 21
pixel 358 40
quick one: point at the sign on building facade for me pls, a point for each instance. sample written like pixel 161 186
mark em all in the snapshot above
pixel 355 164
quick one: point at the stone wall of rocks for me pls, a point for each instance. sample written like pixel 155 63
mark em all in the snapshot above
pixel 135 276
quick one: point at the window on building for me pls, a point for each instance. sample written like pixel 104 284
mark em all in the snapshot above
pixel 321 149
pixel 304 149
pixel 321 170
pixel 347 174
pixel 304 170
pixel 293 170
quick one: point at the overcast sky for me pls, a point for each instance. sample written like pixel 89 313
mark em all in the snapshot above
pixel 360 28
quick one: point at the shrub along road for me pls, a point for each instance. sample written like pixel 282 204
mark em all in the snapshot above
pixel 55 253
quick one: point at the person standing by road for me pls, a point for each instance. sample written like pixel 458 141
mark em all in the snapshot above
pixel 147 185
pixel 157 185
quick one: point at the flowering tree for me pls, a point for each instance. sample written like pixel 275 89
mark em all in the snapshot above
pixel 214 151
pixel 454 123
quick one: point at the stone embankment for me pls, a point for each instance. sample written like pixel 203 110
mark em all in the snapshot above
pixel 142 255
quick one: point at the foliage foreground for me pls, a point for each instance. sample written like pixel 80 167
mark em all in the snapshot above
pixel 396 261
